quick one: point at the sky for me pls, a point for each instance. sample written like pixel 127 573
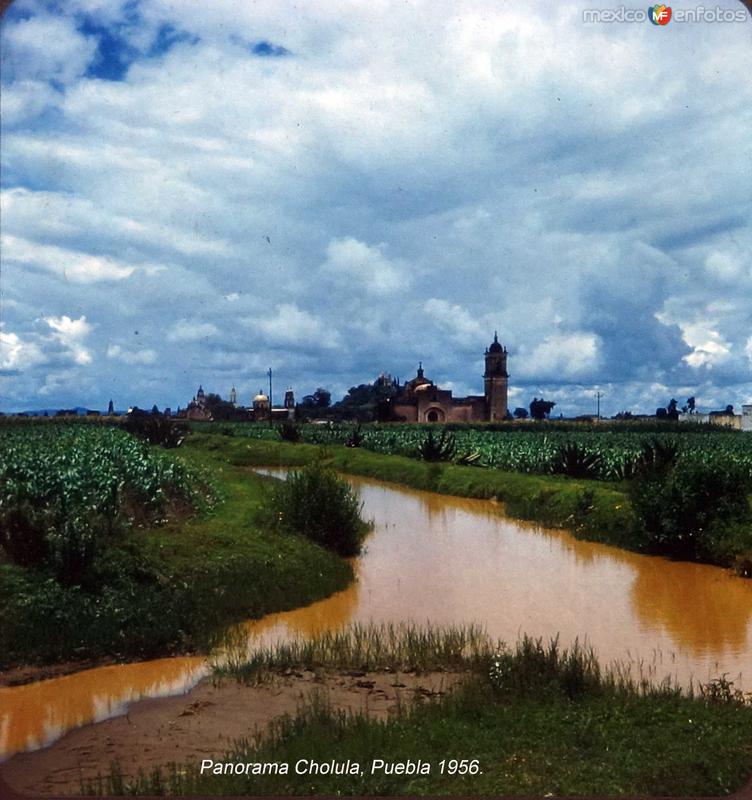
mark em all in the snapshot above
pixel 194 192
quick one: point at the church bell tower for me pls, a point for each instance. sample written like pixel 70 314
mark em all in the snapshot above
pixel 495 381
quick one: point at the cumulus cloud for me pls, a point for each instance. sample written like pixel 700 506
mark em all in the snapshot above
pixel 18 354
pixel 71 333
pixel 350 260
pixel 293 326
pixel 562 355
pixel 345 207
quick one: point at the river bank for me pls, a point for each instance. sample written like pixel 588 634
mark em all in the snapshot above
pixel 534 719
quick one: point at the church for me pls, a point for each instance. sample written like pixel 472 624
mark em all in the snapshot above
pixel 420 400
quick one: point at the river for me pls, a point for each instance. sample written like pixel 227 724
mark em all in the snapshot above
pixel 439 559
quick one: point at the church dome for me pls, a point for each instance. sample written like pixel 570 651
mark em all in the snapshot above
pixel 260 398
pixel 495 346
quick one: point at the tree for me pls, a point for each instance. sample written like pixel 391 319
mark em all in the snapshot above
pixel 540 409
pixel 155 409
pixel 691 405
pixel 111 409
pixel 520 413
pixel 220 409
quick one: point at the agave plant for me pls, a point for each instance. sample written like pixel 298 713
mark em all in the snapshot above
pixel 439 448
pixel 573 460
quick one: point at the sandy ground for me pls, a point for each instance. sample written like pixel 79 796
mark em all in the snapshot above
pixel 202 724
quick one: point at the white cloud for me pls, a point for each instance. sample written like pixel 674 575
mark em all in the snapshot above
pixel 15 353
pixel 46 47
pixel 70 265
pixel 349 259
pixel 185 331
pixel 562 355
pixel 708 346
pixel 294 326
pixel 71 333
pixel 456 320
pixel 146 356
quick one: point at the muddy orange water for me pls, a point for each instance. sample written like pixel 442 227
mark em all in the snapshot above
pixel 451 560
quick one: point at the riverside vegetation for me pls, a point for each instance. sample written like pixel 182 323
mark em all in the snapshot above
pixel 110 547
pixel 680 500
pixel 538 718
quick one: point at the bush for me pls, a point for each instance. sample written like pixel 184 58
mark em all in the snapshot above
pixel 440 448
pixel 288 432
pixel 317 503
pixel 154 428
pixel 573 460
pixel 685 507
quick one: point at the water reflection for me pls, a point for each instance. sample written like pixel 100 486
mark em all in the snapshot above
pixel 36 714
pixel 453 560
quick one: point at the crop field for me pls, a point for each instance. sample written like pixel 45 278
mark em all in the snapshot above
pixel 612 454
pixel 64 485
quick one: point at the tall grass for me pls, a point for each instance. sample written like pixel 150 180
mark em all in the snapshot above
pixel 403 646
pixel 539 719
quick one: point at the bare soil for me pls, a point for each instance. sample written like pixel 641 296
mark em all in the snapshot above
pixel 203 724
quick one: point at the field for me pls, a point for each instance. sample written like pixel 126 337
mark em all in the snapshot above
pixel 528 448
pixel 114 548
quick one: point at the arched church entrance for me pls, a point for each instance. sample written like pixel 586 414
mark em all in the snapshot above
pixel 435 415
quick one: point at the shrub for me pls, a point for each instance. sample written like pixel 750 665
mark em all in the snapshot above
pixel 356 437
pixel 317 503
pixel 574 461
pixel 439 448
pixel 288 432
pixel 683 508
pixel 154 428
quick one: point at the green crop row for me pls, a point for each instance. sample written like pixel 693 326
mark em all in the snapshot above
pixel 520 451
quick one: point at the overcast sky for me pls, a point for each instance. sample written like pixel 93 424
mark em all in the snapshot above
pixel 194 191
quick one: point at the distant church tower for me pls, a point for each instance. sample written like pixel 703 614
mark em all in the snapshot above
pixel 495 380
pixel 290 403
pixel 233 396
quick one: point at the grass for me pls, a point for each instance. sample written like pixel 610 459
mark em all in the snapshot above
pixel 171 588
pixel 405 647
pixel 537 719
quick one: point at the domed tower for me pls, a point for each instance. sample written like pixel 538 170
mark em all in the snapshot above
pixel 496 380
pixel 261 408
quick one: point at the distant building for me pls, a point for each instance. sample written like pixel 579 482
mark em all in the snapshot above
pixel 197 409
pixel 420 400
pixel 739 422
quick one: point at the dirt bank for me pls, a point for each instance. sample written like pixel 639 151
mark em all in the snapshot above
pixel 201 724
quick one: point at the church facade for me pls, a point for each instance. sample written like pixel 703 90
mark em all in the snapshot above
pixel 420 400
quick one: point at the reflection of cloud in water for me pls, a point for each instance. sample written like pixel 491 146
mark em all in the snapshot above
pixel 705 609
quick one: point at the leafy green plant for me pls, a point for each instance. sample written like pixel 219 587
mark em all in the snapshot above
pixel 682 507
pixel 356 437
pixel 155 428
pixel 438 448
pixel 317 503
pixel 573 460
pixel 289 432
